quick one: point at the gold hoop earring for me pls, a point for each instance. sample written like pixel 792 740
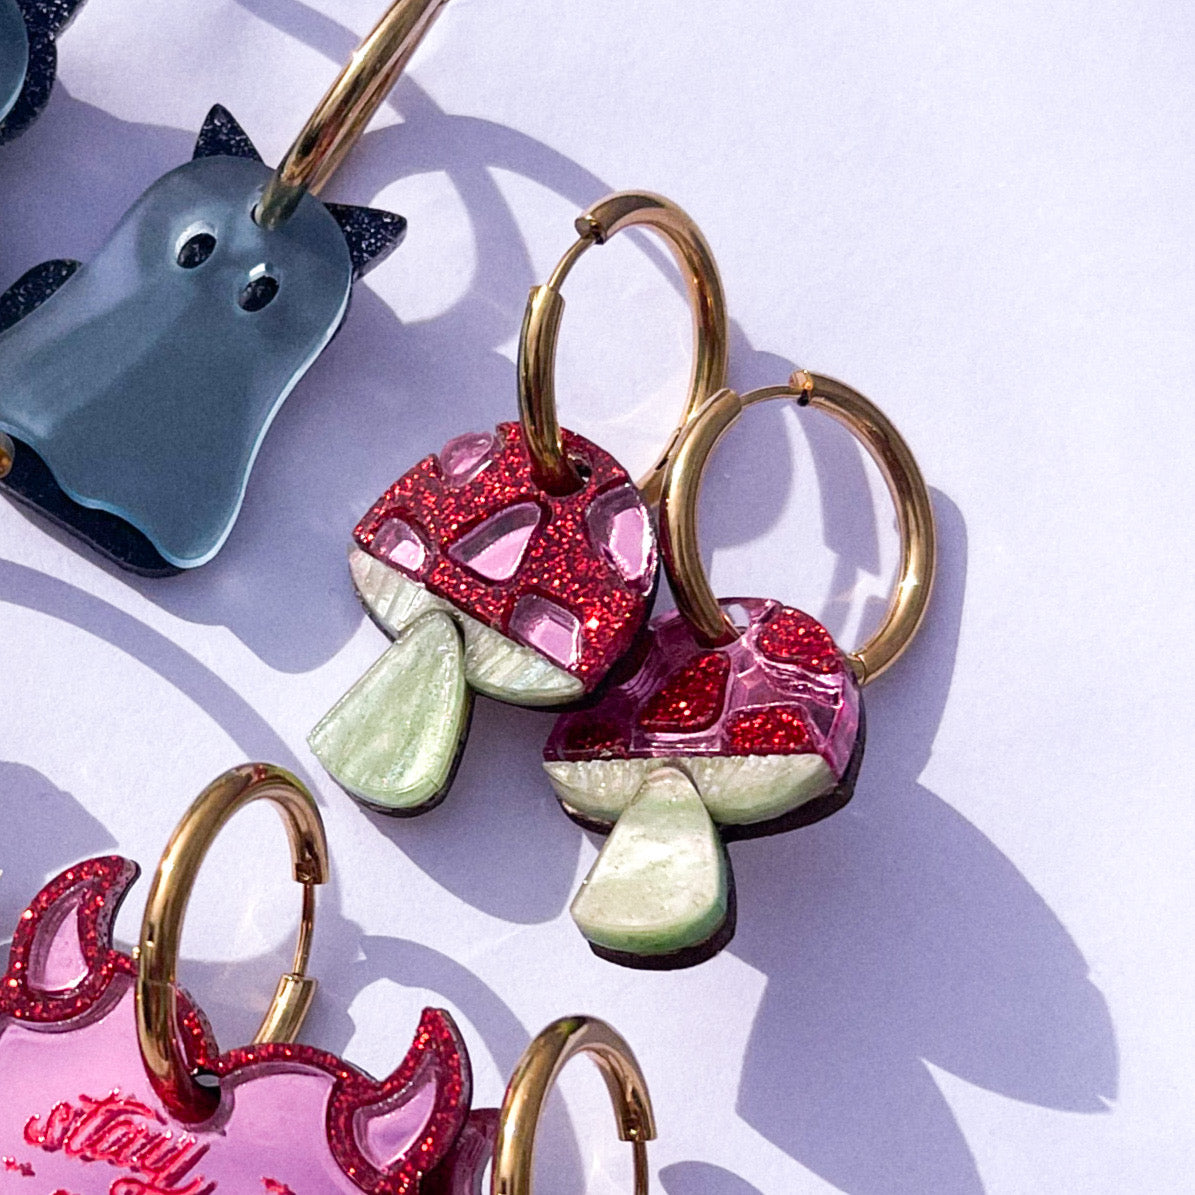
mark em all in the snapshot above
pixel 148 1092
pixel 551 466
pixel 536 1075
pixel 165 910
pixel 872 428
pixel 340 118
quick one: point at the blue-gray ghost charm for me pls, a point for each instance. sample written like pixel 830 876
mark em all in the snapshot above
pixel 137 388
pixel 28 58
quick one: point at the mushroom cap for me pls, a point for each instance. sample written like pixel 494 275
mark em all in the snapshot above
pixel 762 725
pixel 569 577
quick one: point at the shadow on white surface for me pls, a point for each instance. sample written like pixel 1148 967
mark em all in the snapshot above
pixel 346 963
pixel 701 1178
pixel 895 934
pixel 45 831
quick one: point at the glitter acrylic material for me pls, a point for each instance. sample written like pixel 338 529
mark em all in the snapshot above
pixel 292 1119
pixel 546 592
pixel 139 391
pixel 29 59
pixel 14 55
pixel 768 730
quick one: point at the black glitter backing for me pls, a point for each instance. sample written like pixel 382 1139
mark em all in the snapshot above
pixel 49 16
pixel 372 234
pixel 44 20
pixel 32 485
pixel 222 136
pixel 32 289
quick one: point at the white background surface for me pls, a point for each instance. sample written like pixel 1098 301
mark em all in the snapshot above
pixel 975 978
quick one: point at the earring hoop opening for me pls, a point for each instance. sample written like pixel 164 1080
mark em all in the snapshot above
pixel 681 550
pixel 552 469
pixel 348 106
pixel 165 910
pixel 533 1080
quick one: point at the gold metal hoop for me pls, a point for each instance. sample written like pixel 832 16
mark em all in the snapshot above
pixel 553 470
pixel 7 452
pixel 681 550
pixel 162 926
pixel 534 1078
pixel 340 119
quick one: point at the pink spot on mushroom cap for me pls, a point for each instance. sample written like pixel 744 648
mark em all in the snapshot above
pixel 622 533
pixel 495 549
pixel 463 457
pixel 398 542
pixel 551 629
pixel 792 701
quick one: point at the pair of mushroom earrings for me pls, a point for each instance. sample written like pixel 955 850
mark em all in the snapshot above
pixel 104 1058
pixel 522 564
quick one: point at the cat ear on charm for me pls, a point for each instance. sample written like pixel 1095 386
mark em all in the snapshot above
pixel 370 233
pixel 49 16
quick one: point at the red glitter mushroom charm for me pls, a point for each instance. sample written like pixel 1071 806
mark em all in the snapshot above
pixel 744 717
pixel 485 582
pixel 519 564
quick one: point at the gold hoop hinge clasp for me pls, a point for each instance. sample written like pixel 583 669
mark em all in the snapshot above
pixel 536 1075
pixel 552 469
pixel 681 550
pixel 165 910
pixel 342 115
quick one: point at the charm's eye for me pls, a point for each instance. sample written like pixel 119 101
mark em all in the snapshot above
pixel 259 292
pixel 196 249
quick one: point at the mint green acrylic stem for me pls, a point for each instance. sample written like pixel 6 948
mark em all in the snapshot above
pixel 392 740
pixel 660 883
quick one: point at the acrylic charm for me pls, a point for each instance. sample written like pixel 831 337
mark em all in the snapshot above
pixel 744 717
pixel 519 563
pixel 505 1139
pixel 29 58
pixel 137 388
pixel 113 1084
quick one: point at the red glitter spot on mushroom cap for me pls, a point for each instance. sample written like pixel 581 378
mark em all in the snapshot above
pixel 595 736
pixel 780 730
pixel 792 637
pixel 691 699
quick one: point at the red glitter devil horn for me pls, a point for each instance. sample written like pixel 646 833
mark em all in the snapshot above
pixel 389 1136
pixel 62 961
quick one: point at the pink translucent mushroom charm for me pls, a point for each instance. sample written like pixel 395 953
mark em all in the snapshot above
pixel 744 717
pixel 113 1085
pixel 520 564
